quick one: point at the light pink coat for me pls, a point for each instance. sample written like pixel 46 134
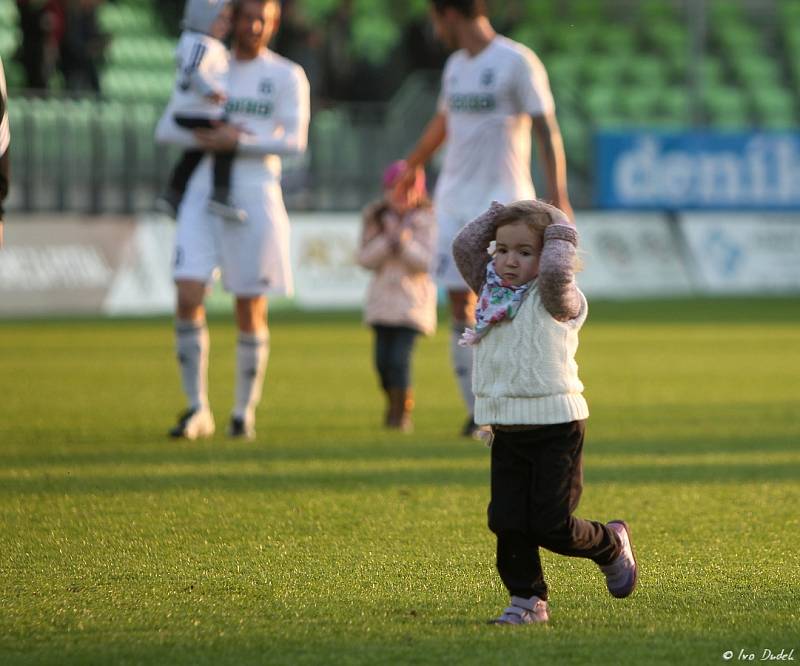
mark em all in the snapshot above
pixel 402 292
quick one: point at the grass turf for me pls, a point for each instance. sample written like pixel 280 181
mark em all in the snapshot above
pixel 330 541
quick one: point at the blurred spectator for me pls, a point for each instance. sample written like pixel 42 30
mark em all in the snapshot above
pixel 83 46
pixel 42 26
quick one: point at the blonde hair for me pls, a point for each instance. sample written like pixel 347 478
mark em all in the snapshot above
pixel 537 215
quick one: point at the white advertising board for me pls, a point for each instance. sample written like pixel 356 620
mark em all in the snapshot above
pixel 324 249
pixel 629 255
pixel 745 252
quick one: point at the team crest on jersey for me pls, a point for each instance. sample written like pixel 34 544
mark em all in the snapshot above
pixel 265 87
pixel 487 77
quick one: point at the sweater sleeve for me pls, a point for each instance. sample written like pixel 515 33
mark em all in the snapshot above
pixel 374 247
pixel 470 247
pixel 417 254
pixel 557 288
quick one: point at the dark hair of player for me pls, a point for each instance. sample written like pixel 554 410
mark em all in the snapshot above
pixel 237 5
pixel 468 8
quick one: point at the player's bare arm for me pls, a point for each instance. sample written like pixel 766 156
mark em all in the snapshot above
pixel 3 189
pixel 551 149
pixel 431 140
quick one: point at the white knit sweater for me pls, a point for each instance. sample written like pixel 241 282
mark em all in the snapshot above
pixel 525 370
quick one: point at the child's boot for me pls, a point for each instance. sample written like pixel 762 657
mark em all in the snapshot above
pixel 401 402
pixel 406 407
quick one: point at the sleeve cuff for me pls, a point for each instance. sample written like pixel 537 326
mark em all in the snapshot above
pixel 561 232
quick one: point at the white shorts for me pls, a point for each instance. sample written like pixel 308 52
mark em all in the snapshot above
pixel 253 255
pixel 446 272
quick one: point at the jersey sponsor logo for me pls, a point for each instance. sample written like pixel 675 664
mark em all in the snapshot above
pixel 250 107
pixel 472 103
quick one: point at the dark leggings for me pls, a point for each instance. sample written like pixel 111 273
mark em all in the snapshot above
pixel 223 163
pixel 537 479
pixel 393 348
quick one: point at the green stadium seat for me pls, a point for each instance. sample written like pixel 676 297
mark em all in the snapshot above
pixel 776 107
pixel 738 37
pixel 674 106
pixel 604 70
pixel 603 105
pixel 726 107
pixel 669 38
pixel 725 11
pixel 570 38
pixel 585 11
pixel 529 35
pixel 648 71
pixel 756 70
pixel 563 70
pixel 543 13
pixel 789 12
pixel 655 10
pixel 616 39
pixel 640 105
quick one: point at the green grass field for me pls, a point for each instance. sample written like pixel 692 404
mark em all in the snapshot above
pixel 328 541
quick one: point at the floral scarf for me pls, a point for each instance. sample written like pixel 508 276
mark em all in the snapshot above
pixel 497 301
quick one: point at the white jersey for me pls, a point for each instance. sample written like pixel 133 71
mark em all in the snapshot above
pixel 268 97
pixel 201 69
pixel 488 101
pixel 5 132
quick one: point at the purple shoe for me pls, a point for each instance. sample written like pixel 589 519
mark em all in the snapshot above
pixel 524 611
pixel 623 572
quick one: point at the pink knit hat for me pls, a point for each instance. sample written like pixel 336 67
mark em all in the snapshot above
pixel 393 172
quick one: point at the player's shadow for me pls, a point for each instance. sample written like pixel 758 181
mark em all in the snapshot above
pixel 398 472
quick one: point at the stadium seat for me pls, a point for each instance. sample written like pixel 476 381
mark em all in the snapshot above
pixel 564 71
pixel 756 71
pixel 603 106
pixel 571 38
pixel 640 105
pixel 737 37
pixel 775 106
pixel 654 10
pixel 602 70
pixel 726 107
pixel 616 39
pixel 648 71
pixel 674 106
pixel 668 37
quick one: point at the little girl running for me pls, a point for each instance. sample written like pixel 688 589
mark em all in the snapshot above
pixel 527 388
pixel 397 244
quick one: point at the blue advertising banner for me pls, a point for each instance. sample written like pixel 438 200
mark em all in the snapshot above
pixel 698 170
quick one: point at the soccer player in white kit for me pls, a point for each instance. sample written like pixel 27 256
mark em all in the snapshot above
pixel 5 140
pixel 494 91
pixel 268 112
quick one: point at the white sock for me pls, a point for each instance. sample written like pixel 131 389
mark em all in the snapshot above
pixel 252 354
pixel 191 344
pixel 462 365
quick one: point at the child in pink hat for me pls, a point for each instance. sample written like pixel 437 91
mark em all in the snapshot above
pixel 398 245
